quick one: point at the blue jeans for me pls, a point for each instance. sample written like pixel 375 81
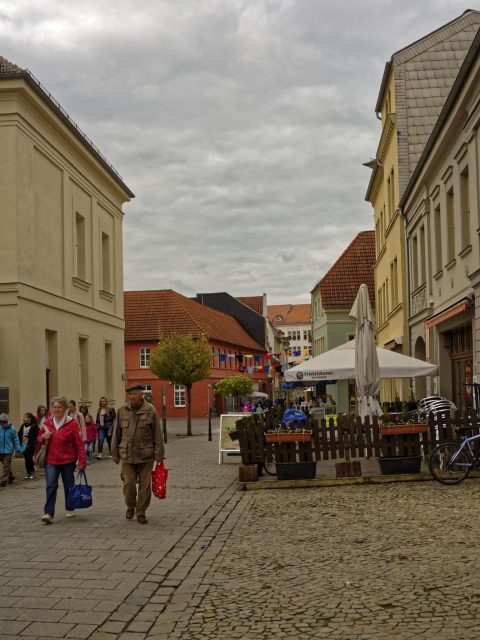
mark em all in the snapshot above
pixel 89 450
pixel 52 472
pixel 102 436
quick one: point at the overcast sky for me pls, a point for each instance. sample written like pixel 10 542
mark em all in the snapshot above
pixel 240 125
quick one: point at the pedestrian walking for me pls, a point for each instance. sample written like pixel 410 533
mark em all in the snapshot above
pixel 105 421
pixel 27 435
pixel 91 437
pixel 78 417
pixel 9 443
pixel 137 442
pixel 61 432
pixel 42 414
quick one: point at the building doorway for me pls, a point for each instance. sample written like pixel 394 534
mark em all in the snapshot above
pixel 461 357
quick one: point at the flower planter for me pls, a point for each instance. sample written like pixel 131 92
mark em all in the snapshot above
pixel 402 429
pixel 296 470
pixel 400 464
pixel 302 436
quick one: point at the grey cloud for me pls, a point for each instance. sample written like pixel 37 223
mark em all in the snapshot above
pixel 240 126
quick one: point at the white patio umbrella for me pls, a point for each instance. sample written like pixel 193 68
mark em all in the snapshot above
pixel 259 394
pixel 339 364
pixel 367 369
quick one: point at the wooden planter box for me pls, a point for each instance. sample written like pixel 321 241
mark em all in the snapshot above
pixel 302 436
pixel 346 469
pixel 402 429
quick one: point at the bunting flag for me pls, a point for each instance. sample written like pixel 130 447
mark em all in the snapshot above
pixel 266 368
pixel 257 358
pixel 249 369
pixel 223 357
pixel 268 356
pixel 248 355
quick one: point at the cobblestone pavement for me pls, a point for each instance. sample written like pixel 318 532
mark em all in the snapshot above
pixel 369 562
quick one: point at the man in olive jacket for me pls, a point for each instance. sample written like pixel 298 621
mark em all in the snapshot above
pixel 138 442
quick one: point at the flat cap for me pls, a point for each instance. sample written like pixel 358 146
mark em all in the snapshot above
pixel 135 386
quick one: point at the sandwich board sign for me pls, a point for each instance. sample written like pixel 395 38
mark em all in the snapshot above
pixel 228 443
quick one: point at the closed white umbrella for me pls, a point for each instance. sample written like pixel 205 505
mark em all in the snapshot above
pixel 367 369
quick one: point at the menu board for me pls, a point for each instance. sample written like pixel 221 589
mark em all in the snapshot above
pixel 228 424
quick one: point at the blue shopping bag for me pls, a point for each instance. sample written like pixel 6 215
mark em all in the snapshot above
pixel 79 494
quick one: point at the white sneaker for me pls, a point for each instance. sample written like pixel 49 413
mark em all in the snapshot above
pixel 46 518
pixel 69 514
pixel 27 477
pixel 100 456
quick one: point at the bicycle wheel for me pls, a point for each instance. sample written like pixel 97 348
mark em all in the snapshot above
pixel 270 466
pixel 443 469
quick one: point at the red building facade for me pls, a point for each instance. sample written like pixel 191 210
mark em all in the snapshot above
pixel 234 352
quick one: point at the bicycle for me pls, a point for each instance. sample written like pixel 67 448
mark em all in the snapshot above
pixel 451 462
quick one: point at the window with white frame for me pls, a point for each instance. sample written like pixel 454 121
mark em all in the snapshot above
pixel 144 357
pixel 179 395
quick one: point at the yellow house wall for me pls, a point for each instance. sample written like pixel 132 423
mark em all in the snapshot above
pixel 46 177
pixel 391 323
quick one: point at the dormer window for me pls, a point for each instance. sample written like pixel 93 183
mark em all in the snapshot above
pixel 278 319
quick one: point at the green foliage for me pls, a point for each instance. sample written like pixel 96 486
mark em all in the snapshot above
pixel 235 386
pixel 181 359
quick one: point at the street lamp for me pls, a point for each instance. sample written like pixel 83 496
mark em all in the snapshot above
pixel 209 387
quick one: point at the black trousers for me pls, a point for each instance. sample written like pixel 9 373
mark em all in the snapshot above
pixel 29 465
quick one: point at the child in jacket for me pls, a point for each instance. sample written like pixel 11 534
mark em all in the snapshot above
pixel 9 443
pixel 91 428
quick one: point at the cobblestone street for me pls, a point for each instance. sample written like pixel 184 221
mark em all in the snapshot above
pixel 368 562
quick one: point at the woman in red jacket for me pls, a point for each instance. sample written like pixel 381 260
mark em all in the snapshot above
pixel 65 447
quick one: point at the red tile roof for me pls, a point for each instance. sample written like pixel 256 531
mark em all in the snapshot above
pixel 149 313
pixel 339 286
pixel 290 313
pixel 254 302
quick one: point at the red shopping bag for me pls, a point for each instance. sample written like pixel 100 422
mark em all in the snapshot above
pixel 159 481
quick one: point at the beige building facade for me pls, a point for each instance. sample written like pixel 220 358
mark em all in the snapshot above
pixel 61 281
pixel 442 213
pixel 415 85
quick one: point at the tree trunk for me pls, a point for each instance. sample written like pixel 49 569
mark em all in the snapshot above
pixel 189 409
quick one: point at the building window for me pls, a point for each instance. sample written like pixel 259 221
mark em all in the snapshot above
pixel 391 196
pixel 438 239
pixel 144 357
pixel 423 260
pixel 108 369
pixel 309 350
pixel 83 368
pixel 322 344
pixel 179 395
pixel 414 263
pixel 106 284
pixel 465 207
pixel 394 283
pixel 450 226
pixel 80 247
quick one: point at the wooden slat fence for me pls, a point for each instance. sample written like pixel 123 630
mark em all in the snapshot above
pixel 348 439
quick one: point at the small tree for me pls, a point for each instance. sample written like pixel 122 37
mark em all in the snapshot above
pixel 234 386
pixel 182 359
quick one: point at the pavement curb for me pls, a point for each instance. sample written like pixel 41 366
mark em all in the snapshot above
pixel 333 482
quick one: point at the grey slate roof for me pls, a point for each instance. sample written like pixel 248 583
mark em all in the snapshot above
pixel 424 74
